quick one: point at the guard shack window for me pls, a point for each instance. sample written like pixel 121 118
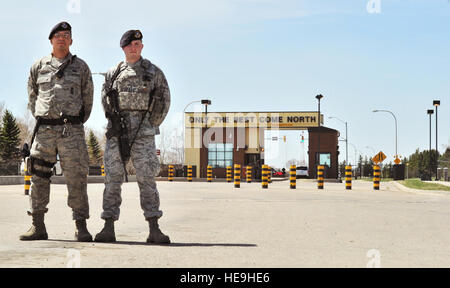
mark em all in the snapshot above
pixel 220 155
pixel 325 159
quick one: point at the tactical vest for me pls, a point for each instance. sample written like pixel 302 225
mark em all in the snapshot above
pixel 58 95
pixel 134 86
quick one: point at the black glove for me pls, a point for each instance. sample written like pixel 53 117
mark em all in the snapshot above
pixel 25 151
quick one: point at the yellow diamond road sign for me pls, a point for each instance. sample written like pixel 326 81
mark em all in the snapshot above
pixel 379 157
pixel 397 161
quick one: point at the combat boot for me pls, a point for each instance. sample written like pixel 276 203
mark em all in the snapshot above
pixel 81 232
pixel 107 234
pixel 156 236
pixel 37 230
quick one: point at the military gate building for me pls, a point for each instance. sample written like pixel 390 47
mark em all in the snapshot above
pixel 222 139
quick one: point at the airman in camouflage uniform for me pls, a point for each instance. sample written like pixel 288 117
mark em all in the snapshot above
pixel 60 93
pixel 144 100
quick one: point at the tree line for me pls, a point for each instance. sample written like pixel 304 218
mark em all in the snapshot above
pixel 417 165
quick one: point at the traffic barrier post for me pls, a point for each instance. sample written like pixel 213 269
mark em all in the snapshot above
pixel 265 183
pixel 248 174
pixel 237 175
pixel 171 167
pixel 229 178
pixel 209 173
pixel 376 177
pixel 189 173
pixel 27 181
pixel 293 177
pixel 320 170
pixel 348 177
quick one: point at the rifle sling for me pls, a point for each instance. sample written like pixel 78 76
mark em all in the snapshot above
pixel 150 100
pixel 60 71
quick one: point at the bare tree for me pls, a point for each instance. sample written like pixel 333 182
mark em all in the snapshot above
pixel 178 146
pixel 171 150
pixel 26 125
pixel 162 146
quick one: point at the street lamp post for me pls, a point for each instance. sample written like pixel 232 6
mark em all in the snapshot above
pixel 346 138
pixel 205 102
pixel 355 150
pixel 318 97
pixel 395 128
pixel 356 159
pixel 436 103
pixel 430 112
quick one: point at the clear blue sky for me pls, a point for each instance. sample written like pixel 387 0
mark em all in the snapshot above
pixel 261 55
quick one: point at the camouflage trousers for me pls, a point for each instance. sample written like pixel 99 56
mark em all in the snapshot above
pixel 74 160
pixel 145 161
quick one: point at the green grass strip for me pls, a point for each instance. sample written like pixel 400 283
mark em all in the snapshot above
pixel 370 179
pixel 416 183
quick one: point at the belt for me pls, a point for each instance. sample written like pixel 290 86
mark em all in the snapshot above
pixel 60 121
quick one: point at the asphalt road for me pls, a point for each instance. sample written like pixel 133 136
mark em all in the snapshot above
pixel 217 225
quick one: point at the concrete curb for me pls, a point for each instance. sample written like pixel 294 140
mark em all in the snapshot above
pixel 422 192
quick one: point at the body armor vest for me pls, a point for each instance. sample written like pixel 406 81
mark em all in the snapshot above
pixel 58 94
pixel 134 85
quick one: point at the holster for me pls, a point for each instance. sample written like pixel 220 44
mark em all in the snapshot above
pixel 31 161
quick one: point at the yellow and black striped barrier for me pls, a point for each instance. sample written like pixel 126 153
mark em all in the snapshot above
pixel 103 170
pixel 170 173
pixel 376 177
pixel 320 170
pixel 189 173
pixel 229 178
pixel 248 174
pixel 269 174
pixel 27 181
pixel 237 175
pixel 348 177
pixel 293 177
pixel 209 173
pixel 265 183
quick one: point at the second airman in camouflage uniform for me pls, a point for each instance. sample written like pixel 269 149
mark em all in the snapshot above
pixel 60 98
pixel 144 100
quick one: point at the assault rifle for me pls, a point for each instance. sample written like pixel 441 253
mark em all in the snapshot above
pixel 119 129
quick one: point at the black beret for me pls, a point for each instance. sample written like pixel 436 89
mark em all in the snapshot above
pixel 129 36
pixel 63 26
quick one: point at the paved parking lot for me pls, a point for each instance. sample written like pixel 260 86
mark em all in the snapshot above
pixel 217 225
